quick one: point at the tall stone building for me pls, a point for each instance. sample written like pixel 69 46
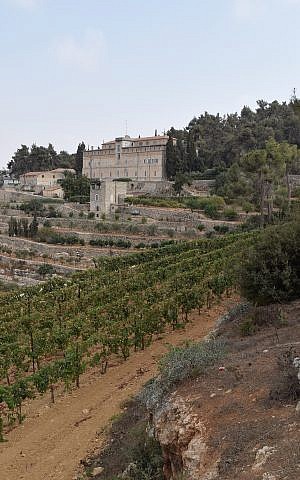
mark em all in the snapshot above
pixel 106 195
pixel 142 159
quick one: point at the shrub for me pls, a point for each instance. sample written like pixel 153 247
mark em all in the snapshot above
pixel 47 224
pixel 71 214
pixel 170 232
pixel 45 269
pixel 247 206
pixel 131 453
pixel 247 328
pixel 230 214
pixel 296 192
pixel 52 212
pixel 211 211
pixel 152 229
pixel 144 220
pixel 221 228
pixel 181 363
pixel 201 227
pixel 91 215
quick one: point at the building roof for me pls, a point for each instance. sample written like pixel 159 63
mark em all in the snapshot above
pixel 139 139
pixel 56 170
pixel 55 187
pixel 31 174
pixel 61 170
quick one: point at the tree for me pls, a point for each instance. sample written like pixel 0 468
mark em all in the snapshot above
pixel 39 158
pixel 270 271
pixel 267 169
pixel 79 158
pixel 76 188
pixel 211 141
pixel 33 227
pixel 180 180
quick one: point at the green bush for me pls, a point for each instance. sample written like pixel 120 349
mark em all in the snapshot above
pixel 46 269
pixel 270 271
pixel 247 206
pixel 221 228
pixel 109 242
pixel 91 215
pixel 47 235
pixel 230 214
pixel 201 227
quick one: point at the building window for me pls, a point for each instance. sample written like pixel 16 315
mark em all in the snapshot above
pixel 96 197
pixel 110 174
pixel 43 176
pixel 53 176
pixel 119 156
pixel 97 208
pixel 118 173
pixel 145 173
pixel 135 174
pixel 155 173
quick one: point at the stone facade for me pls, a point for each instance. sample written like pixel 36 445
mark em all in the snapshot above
pixel 106 195
pixel 135 158
pixel 39 181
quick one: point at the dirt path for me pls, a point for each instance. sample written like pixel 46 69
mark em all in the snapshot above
pixel 54 438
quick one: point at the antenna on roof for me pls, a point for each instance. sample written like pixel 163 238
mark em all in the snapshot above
pixel 126 128
pixel 155 133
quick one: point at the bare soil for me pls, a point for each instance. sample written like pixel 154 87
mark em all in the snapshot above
pixel 54 438
pixel 249 403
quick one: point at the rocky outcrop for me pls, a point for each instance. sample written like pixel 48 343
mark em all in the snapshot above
pixel 183 438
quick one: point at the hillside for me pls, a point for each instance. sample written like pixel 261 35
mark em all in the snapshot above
pixel 54 438
pixel 57 335
pixel 236 420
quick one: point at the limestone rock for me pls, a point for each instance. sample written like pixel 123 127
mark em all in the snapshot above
pixel 182 436
pixel 262 456
pixel 96 471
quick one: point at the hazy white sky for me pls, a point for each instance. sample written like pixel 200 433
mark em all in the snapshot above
pixel 75 70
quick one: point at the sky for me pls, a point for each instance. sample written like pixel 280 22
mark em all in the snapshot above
pixel 92 70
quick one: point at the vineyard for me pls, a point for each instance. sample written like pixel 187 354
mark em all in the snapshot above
pixel 50 334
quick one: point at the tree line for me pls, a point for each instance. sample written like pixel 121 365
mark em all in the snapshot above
pixel 217 142
pixel 39 158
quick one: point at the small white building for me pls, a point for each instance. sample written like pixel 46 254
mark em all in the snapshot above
pixel 8 181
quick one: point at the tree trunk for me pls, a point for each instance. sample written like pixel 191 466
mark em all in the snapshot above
pixel 289 188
